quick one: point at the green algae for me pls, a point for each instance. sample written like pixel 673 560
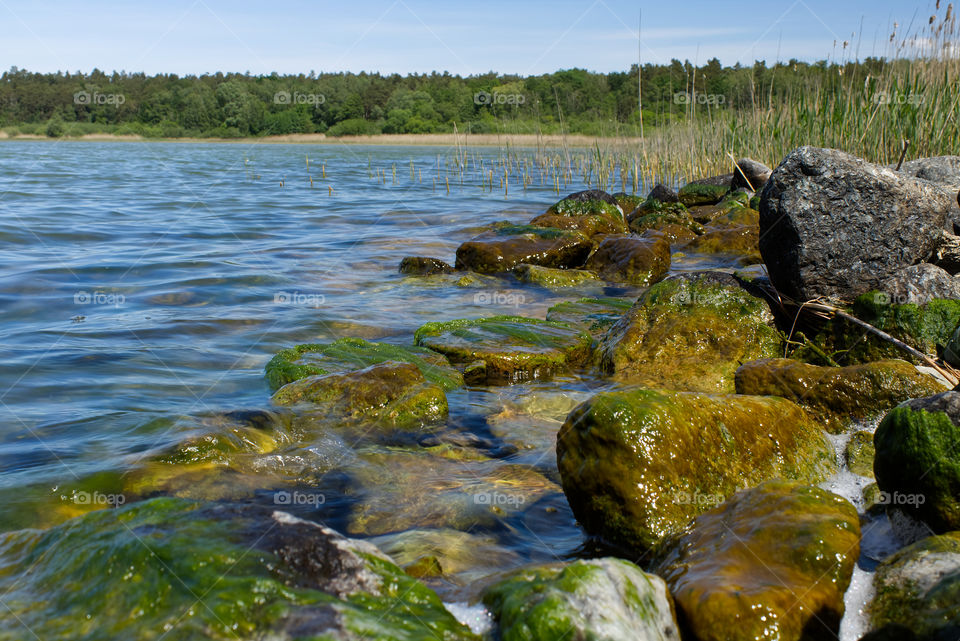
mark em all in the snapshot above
pixel 916 457
pixel 560 602
pixel 695 194
pixel 689 334
pixel 594 315
pixel 185 570
pixel 772 562
pixel 347 354
pixel 556 278
pixel 637 465
pixel 837 396
pixel 513 348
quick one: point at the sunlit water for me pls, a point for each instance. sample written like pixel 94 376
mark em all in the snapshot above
pixel 142 283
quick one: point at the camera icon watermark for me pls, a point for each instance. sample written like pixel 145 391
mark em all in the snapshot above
pixel 298 298
pixel 95 98
pixel 711 99
pixel 298 498
pixel 886 298
pixel 297 98
pixel 98 498
pixel 485 98
pixel 499 299
pixel 499 499
pixel 98 298
pixel 899 498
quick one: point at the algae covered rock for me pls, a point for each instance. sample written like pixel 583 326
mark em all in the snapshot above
pixel 837 395
pixel 917 461
pixel 592 202
pixel 772 562
pixel 689 332
pixel 703 193
pixel 424 266
pixel 923 327
pixel 390 393
pixel 627 259
pixel 507 246
pixel 186 570
pixel 918 590
pixel 859 453
pixel 350 354
pixel 637 465
pixel 511 348
pixel 595 315
pixel 556 278
pixel 601 600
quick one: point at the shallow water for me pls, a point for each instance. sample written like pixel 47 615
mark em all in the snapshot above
pixel 143 287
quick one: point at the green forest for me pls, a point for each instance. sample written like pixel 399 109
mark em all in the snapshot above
pixel 239 105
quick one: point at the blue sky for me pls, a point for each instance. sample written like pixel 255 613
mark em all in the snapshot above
pixel 403 36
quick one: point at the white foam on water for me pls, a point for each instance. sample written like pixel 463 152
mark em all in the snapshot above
pixel 877 540
pixel 476 617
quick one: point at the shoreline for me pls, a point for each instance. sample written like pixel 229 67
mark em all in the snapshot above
pixel 425 140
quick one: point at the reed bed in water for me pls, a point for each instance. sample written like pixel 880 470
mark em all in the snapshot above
pixel 869 109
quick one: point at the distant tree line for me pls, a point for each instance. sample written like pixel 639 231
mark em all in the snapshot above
pixel 236 105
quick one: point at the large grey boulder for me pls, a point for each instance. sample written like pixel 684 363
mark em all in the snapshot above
pixel 944 170
pixel 837 226
pixel 920 284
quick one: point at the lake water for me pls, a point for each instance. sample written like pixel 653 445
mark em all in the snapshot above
pixel 143 287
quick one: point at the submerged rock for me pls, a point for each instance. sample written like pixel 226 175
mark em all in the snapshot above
pixel 918 591
pixel 772 562
pixel 750 174
pixel 837 395
pixel 555 278
pixel 627 259
pixel 510 348
pixel 600 599
pixel 423 266
pixel 837 226
pixel 351 354
pixel 594 315
pixel 138 572
pixel 388 394
pixel 507 246
pixel 689 332
pixel 394 490
pixel 917 461
pixel 637 465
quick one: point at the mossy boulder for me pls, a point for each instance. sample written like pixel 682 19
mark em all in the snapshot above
pixel 392 394
pixel 918 591
pixel 556 278
pixel 350 354
pixel 511 348
pixel 507 246
pixel 772 562
pixel 637 464
pixel 594 315
pixel 697 193
pixel 185 570
pixel 837 395
pixel 917 461
pixel 424 266
pixel 588 225
pixel 689 332
pixel 588 203
pixel 921 326
pixel 597 600
pixel 628 202
pixel 628 259
pixel 859 453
